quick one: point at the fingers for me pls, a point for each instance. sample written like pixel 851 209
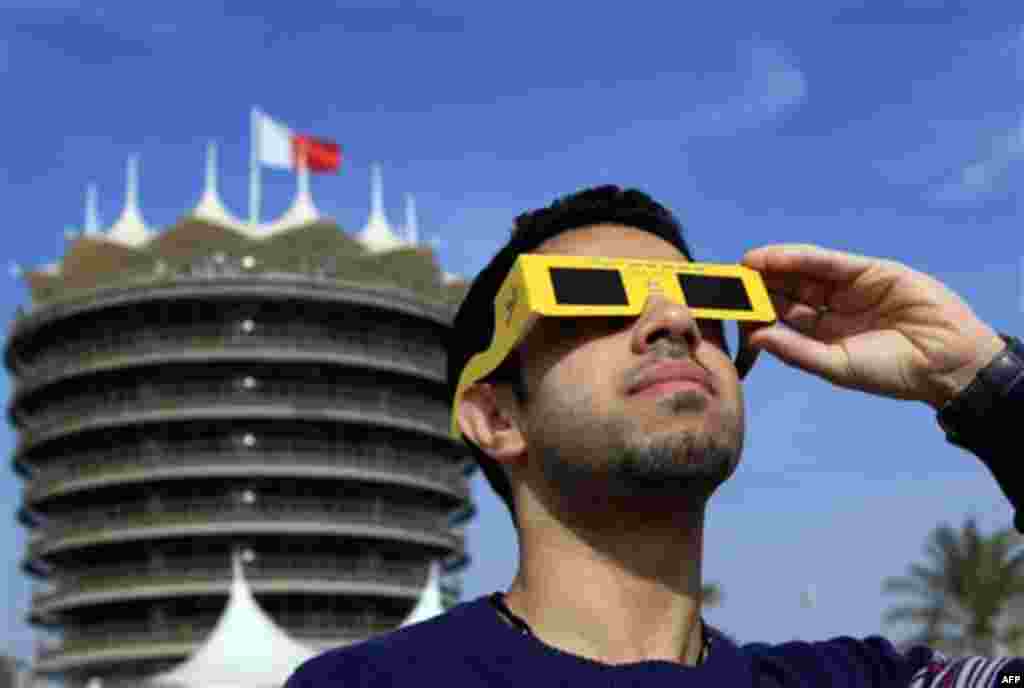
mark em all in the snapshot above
pixel 816 321
pixel 800 312
pixel 784 289
pixel 803 318
pixel 799 351
pixel 807 261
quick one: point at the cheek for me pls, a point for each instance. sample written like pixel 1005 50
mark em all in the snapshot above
pixel 722 367
pixel 571 384
pixel 578 380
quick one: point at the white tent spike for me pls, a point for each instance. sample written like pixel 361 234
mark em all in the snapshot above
pixel 302 211
pixel 210 207
pixel 430 603
pixel 92 212
pixel 378 236
pixel 411 228
pixel 376 190
pixel 246 648
pixel 130 228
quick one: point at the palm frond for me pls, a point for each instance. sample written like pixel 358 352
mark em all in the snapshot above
pixel 970 593
pixel 711 595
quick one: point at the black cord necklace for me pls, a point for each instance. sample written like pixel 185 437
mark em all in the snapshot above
pixel 498 600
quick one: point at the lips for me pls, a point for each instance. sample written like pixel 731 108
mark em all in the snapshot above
pixel 673 372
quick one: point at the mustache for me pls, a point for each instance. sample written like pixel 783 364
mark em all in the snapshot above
pixel 665 349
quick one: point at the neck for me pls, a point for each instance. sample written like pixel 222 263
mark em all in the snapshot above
pixel 619 594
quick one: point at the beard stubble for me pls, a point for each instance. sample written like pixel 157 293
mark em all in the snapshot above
pixel 584 455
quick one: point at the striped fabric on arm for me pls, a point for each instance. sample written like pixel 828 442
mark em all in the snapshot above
pixel 970 672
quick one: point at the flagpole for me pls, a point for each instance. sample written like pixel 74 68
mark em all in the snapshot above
pixel 254 168
pixel 303 170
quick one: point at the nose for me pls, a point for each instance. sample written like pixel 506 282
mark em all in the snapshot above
pixel 664 318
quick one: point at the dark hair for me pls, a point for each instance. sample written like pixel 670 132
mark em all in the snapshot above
pixel 473 327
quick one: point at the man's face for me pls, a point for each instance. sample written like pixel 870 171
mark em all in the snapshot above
pixel 586 427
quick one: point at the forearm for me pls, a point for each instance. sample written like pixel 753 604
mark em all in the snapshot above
pixel 987 422
pixel 1002 456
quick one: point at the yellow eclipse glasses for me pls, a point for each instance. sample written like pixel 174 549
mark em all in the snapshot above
pixel 582 286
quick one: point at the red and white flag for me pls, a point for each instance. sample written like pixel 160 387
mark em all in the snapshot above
pixel 278 146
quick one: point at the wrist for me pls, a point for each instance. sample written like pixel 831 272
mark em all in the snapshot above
pixel 995 395
pixel 951 386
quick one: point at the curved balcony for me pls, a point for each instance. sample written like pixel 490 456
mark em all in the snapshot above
pixel 122 641
pixel 385 347
pixel 268 573
pixel 262 288
pixel 333 461
pixel 264 515
pixel 274 399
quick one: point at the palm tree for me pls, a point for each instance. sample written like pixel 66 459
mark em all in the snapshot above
pixel 968 597
pixel 711 595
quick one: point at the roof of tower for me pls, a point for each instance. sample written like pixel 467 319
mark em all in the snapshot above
pixel 378 236
pixel 92 212
pixel 301 212
pixel 411 224
pixel 210 207
pixel 299 242
pixel 130 229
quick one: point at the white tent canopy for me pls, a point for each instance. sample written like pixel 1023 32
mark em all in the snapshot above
pixel 430 603
pixel 246 649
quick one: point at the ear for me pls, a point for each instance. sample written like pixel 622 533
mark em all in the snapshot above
pixel 490 419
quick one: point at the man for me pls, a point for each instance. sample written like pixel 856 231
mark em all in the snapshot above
pixel 606 438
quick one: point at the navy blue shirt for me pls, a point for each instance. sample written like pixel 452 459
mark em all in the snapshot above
pixel 471 646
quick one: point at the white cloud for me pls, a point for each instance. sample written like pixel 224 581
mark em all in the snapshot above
pixel 986 173
pixel 767 86
pixel 772 85
pixel 776 83
pixel 982 176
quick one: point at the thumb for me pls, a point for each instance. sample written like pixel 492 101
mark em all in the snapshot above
pixel 795 349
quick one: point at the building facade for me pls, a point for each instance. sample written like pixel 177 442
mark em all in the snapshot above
pixel 180 394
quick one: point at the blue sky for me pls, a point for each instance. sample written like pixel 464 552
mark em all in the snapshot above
pixel 889 129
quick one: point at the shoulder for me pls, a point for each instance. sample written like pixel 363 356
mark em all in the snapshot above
pixel 840 661
pixel 384 660
pixel 875 661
